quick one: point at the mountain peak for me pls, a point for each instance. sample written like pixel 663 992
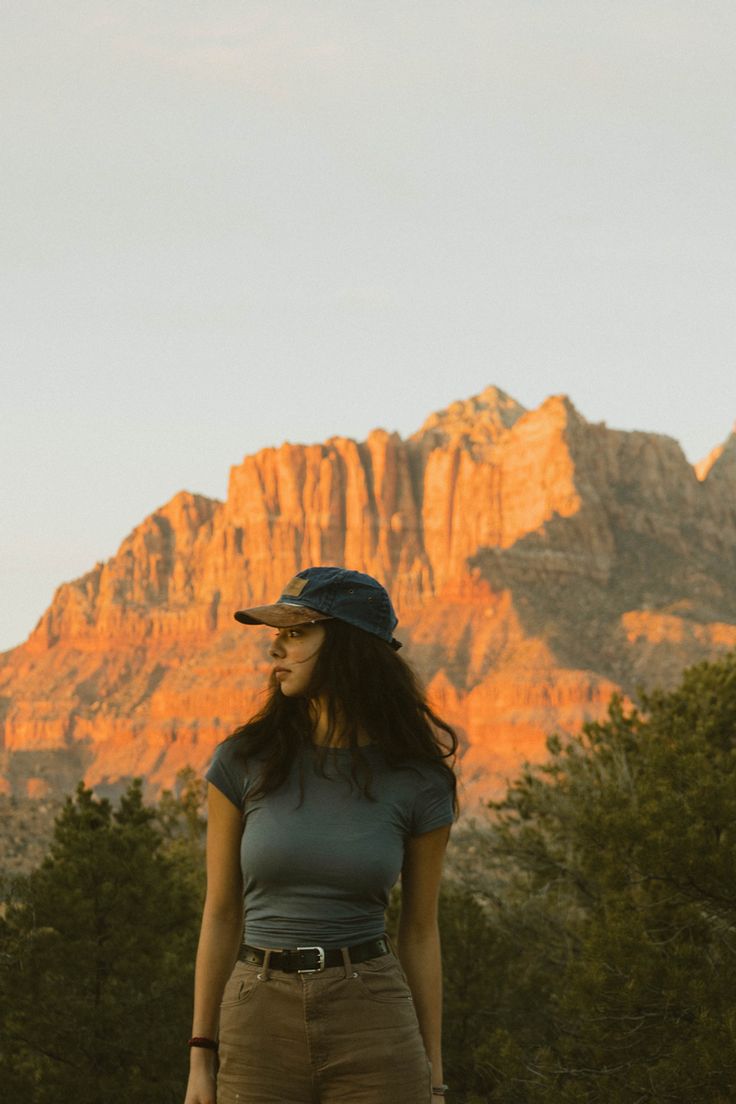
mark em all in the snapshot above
pixel 486 415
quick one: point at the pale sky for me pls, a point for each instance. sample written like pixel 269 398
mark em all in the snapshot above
pixel 225 225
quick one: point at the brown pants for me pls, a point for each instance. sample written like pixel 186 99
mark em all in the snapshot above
pixel 346 1035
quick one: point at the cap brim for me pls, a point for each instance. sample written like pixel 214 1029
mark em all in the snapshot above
pixel 280 615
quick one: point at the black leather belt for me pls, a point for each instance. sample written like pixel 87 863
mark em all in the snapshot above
pixel 310 960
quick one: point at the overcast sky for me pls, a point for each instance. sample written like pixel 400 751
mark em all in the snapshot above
pixel 225 225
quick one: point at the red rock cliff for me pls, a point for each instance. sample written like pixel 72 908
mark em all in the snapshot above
pixel 538 563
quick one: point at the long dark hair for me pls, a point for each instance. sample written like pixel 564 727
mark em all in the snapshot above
pixel 368 689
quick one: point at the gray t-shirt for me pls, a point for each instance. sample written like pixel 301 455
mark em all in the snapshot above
pixel 321 872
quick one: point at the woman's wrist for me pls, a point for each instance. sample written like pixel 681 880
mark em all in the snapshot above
pixel 439 1088
pixel 202 1056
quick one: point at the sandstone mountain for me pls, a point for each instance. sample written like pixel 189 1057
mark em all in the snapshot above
pixel 538 562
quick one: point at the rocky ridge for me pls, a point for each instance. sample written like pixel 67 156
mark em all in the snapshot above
pixel 539 563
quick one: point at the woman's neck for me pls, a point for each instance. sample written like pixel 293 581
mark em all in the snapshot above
pixel 329 732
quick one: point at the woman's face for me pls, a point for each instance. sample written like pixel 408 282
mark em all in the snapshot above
pixel 293 654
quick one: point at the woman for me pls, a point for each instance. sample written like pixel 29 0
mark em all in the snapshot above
pixel 340 782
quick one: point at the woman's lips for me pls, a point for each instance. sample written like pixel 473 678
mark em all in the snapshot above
pixel 281 671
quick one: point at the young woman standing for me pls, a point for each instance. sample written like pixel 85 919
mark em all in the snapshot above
pixel 339 784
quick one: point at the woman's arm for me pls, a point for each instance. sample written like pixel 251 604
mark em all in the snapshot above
pixel 219 938
pixel 419 937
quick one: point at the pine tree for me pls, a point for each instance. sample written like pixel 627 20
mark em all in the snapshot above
pixel 97 954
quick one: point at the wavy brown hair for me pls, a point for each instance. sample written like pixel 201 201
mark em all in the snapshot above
pixel 367 689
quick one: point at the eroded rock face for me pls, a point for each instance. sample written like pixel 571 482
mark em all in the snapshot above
pixel 539 563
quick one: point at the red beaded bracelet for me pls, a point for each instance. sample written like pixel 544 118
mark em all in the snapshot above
pixel 201 1041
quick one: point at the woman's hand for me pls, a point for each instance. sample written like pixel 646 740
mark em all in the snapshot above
pixel 202 1084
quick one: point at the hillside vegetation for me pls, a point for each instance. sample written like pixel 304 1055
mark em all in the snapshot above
pixel 587 924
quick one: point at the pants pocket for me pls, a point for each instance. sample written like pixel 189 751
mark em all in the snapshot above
pixel 385 984
pixel 240 986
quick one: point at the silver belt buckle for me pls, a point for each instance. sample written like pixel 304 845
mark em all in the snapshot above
pixel 320 959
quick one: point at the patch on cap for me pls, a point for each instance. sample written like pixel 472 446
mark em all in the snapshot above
pixel 294 588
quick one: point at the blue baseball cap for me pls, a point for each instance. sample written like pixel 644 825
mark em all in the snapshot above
pixel 322 593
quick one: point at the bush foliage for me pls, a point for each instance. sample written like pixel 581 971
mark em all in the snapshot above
pixel 605 889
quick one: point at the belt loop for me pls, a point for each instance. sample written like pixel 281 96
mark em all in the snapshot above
pixel 349 972
pixel 266 972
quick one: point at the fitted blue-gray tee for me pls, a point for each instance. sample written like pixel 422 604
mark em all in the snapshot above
pixel 320 871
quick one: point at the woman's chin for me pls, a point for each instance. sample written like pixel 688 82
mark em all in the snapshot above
pixel 290 691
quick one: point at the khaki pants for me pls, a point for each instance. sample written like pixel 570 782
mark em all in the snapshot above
pixel 346 1035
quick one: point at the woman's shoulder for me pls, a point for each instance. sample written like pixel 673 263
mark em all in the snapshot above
pixel 419 778
pixel 229 770
pixel 426 769
pixel 432 795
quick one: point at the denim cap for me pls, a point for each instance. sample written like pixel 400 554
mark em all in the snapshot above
pixel 321 593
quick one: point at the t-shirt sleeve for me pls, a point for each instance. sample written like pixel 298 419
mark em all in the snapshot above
pixel 433 806
pixel 227 771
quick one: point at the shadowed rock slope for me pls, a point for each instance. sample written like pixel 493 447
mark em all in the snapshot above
pixel 538 563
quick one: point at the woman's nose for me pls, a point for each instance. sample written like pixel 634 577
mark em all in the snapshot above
pixel 276 648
